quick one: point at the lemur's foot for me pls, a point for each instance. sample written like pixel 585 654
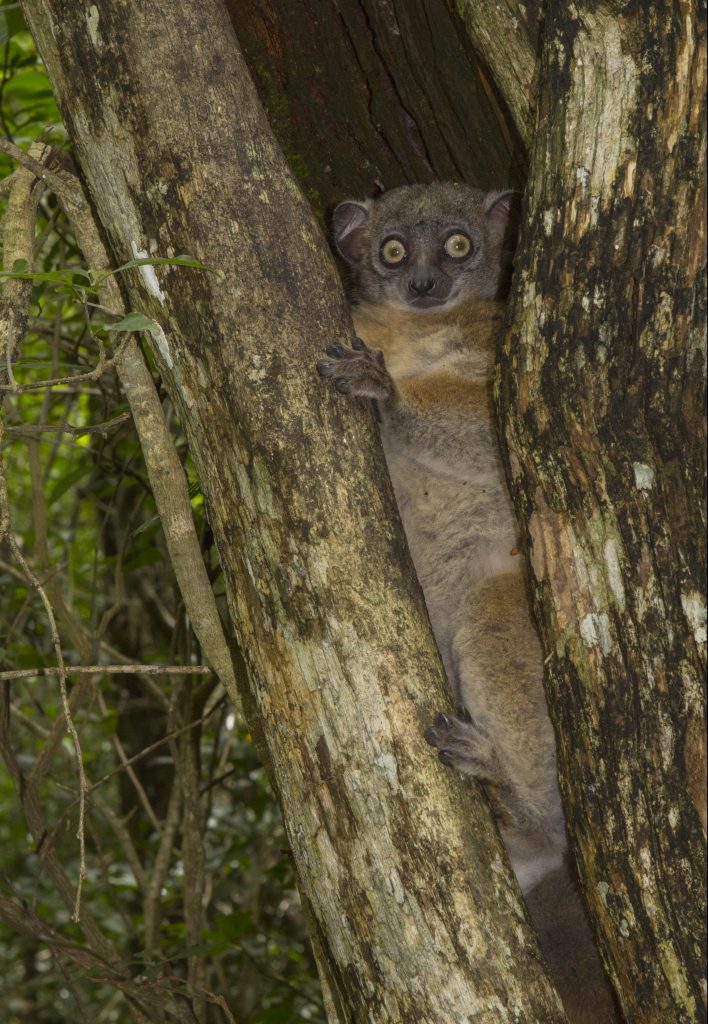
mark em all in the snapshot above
pixel 463 744
pixel 358 370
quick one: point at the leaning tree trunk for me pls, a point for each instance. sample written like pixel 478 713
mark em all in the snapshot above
pixel 602 403
pixel 414 908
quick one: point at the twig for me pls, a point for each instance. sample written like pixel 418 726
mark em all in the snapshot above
pixel 75 670
pixel 193 856
pixel 4 79
pixel 32 429
pixel 137 785
pixel 18 242
pixel 61 672
pixel 165 470
pixel 122 834
pixel 210 997
pixel 148 750
pixel 28 796
pixel 144 996
pixel 52 178
pixel 161 865
pixel 95 374
pixel 280 978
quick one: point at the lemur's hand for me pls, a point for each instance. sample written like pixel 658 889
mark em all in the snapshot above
pixel 358 370
pixel 463 744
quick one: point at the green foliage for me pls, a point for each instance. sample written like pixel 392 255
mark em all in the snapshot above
pixel 85 519
pixel 27 107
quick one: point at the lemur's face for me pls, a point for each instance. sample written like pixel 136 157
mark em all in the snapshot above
pixel 429 247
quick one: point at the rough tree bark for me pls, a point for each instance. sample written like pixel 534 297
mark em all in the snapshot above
pixel 610 482
pixel 362 93
pixel 602 403
pixel 413 904
pixel 506 35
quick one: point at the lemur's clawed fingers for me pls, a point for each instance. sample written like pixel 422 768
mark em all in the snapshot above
pixel 375 354
pixel 463 744
pixel 356 371
pixel 339 351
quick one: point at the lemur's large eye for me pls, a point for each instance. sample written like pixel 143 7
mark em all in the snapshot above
pixel 458 245
pixel 393 252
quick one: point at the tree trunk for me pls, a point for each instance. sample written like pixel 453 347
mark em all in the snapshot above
pixel 505 34
pixel 363 94
pixel 415 912
pixel 602 397
pixel 610 481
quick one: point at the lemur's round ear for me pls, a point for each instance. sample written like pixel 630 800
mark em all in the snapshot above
pixel 349 223
pixel 503 215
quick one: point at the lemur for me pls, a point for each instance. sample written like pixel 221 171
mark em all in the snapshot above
pixel 430 268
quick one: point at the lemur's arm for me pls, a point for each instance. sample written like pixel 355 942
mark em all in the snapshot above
pixel 437 414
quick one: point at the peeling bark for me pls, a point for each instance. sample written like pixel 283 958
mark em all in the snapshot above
pixel 602 397
pixel 415 913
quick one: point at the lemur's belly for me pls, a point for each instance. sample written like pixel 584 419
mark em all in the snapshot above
pixel 459 532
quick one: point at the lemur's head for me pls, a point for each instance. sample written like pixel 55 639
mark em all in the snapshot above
pixel 429 247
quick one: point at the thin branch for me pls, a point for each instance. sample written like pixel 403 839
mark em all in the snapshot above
pixel 18 244
pixel 4 79
pixel 76 670
pixel 29 800
pixel 122 834
pixel 153 746
pixel 161 864
pixel 55 179
pixel 32 429
pixel 18 239
pixel 137 785
pixel 148 1002
pixel 193 857
pixel 61 672
pixel 98 371
pixel 6 184
pixel 165 470
pixel 209 996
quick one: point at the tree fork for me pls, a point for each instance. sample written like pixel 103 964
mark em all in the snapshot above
pixel 418 915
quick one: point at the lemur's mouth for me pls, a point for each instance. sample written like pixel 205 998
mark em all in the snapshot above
pixel 427 301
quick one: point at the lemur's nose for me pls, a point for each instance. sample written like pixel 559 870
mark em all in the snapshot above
pixel 421 285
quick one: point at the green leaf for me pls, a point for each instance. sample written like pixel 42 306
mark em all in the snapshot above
pixel 232 927
pixel 64 277
pixel 282 1014
pixel 150 524
pixel 162 261
pixel 132 322
pixel 10 24
pixel 150 556
pixel 67 482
